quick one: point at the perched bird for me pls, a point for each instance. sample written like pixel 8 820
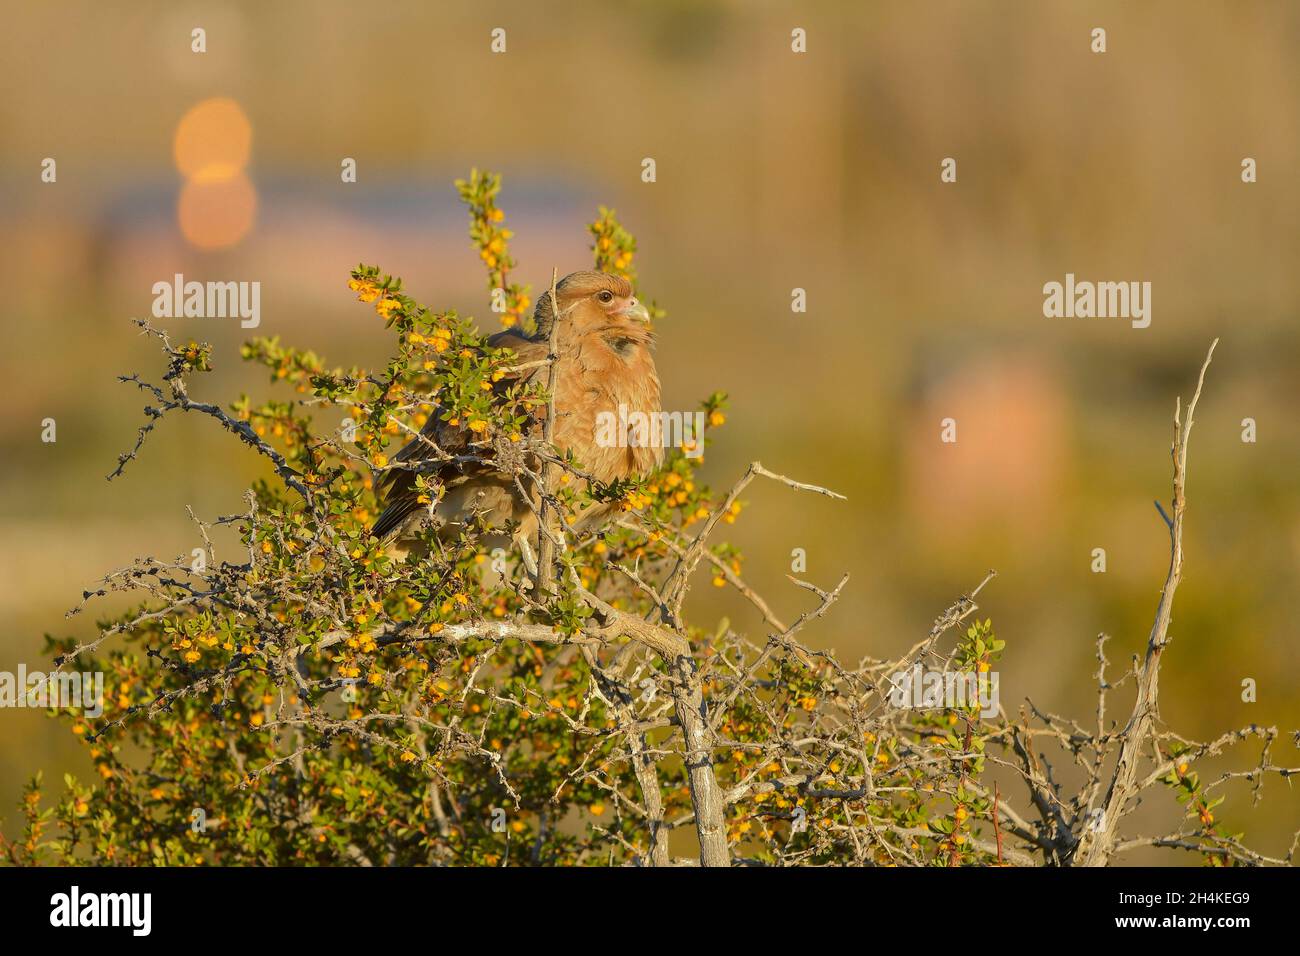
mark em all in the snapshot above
pixel 603 361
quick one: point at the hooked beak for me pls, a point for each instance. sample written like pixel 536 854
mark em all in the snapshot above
pixel 635 310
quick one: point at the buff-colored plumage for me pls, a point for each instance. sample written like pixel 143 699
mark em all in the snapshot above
pixel 604 360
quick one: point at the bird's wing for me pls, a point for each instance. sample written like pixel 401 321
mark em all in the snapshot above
pixel 401 498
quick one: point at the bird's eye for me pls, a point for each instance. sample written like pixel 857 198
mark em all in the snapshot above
pixel 605 296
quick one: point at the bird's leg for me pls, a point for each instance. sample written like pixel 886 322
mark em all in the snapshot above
pixel 530 563
pixel 523 533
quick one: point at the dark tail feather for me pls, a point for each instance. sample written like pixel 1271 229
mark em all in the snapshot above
pixel 393 516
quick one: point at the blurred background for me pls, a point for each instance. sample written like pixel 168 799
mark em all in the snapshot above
pixel 775 171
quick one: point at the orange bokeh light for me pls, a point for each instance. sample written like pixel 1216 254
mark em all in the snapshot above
pixel 212 140
pixel 216 214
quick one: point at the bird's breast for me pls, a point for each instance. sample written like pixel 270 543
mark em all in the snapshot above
pixel 602 408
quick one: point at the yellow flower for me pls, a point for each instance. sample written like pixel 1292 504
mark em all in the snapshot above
pixel 717 418
pixel 365 289
pixel 381 461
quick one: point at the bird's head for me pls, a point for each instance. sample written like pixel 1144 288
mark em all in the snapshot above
pixel 590 300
